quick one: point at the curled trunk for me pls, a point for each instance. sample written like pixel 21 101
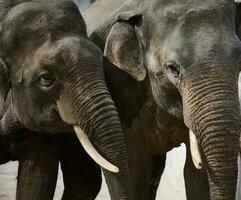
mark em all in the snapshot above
pixel 211 110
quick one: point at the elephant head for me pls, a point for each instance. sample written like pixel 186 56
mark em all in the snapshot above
pixel 191 53
pixel 54 75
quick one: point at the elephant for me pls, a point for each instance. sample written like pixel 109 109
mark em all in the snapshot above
pixel 27 147
pixel 52 86
pixel 172 69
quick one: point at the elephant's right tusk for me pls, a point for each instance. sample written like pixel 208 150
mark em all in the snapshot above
pixel 196 156
pixel 100 160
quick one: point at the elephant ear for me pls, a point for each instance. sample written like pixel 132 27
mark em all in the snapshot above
pixel 123 47
pixel 238 19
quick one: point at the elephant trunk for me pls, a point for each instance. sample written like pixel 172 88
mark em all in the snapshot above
pixel 87 104
pixel 211 111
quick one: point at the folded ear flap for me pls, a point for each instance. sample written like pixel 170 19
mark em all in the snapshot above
pixel 238 19
pixel 123 47
pixel 4 81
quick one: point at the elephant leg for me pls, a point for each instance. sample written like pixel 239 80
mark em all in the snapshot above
pixel 159 162
pixel 5 150
pixel 145 167
pixel 146 177
pixel 38 167
pixel 82 177
pixel 196 181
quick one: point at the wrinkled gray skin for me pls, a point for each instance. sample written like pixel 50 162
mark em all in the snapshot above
pixel 189 53
pixel 52 79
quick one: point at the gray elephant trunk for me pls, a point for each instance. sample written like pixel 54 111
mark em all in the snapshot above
pixel 88 104
pixel 211 110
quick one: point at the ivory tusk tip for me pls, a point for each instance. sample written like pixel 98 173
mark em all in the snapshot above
pixel 240 145
pixel 199 166
pixel 196 156
pixel 89 148
pixel 115 169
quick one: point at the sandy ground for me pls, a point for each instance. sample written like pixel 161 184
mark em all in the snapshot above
pixel 171 187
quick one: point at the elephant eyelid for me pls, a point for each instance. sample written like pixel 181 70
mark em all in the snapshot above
pixel 46 68
pixel 46 79
pixel 45 71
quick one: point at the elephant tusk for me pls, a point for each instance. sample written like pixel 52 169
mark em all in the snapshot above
pixel 196 156
pixel 240 145
pixel 89 148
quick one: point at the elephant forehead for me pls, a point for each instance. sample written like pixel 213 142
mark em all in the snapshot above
pixel 30 24
pixel 165 15
pixel 157 4
pixel 49 53
pixel 183 31
pixel 72 47
pixel 33 59
pixel 68 50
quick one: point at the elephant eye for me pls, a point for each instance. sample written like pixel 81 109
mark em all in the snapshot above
pixel 174 68
pixel 46 80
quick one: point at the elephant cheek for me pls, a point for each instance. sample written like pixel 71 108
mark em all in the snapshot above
pixel 64 114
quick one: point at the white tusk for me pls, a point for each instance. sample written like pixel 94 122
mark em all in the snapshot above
pixel 89 148
pixel 196 156
pixel 240 145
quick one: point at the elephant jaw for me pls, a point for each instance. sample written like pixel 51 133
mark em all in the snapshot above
pixel 195 152
pixel 92 152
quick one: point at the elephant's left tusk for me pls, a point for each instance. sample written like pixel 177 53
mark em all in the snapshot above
pixel 196 156
pixel 84 140
pixel 240 145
